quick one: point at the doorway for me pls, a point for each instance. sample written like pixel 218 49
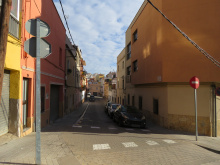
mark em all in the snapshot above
pixel 25 102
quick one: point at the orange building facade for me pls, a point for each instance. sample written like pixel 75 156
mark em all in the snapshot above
pixel 52 68
pixel 162 62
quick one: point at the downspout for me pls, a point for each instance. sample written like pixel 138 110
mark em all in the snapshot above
pixel 214 132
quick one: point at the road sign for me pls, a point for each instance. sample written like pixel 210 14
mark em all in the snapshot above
pixel 30 26
pixel 38 48
pixel 194 82
pixel 30 48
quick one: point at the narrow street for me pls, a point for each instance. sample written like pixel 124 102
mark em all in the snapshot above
pixel 95 139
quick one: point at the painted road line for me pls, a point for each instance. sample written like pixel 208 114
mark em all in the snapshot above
pixel 169 141
pixel 101 147
pixel 129 129
pixel 93 127
pixel 112 128
pixel 82 115
pixel 130 144
pixel 151 143
pixel 77 126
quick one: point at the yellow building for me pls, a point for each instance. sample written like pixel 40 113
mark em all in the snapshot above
pixel 121 78
pixel 11 90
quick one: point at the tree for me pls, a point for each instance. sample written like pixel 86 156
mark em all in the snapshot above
pixel 4 28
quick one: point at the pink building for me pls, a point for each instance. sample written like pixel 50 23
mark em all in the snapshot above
pixel 52 67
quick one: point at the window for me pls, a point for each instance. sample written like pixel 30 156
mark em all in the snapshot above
pixel 128 99
pixel 135 65
pixel 42 99
pixel 68 64
pixel 155 106
pixel 15 8
pixel 135 35
pixel 132 100
pixel 123 64
pixel 118 67
pixel 129 51
pixel 140 102
pixel 60 57
pixel 129 70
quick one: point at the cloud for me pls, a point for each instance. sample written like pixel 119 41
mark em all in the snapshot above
pixel 98 28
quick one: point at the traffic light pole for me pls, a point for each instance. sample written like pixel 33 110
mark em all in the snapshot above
pixel 38 90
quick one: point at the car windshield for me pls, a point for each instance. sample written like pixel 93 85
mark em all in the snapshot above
pixel 114 106
pixel 129 109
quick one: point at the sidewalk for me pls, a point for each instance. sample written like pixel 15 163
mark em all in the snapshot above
pixel 210 143
pixel 15 150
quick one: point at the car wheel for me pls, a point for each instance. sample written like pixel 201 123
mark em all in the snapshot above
pixel 120 123
pixel 113 118
pixel 143 126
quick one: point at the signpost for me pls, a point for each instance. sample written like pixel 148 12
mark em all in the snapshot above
pixel 37 48
pixel 194 82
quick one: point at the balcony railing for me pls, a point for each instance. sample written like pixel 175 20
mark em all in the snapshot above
pixel 14 27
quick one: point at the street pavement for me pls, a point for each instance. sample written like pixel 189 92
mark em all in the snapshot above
pixel 88 136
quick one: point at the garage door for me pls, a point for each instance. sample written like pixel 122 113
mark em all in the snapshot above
pixel 4 106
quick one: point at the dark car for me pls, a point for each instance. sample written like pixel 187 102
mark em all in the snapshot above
pixel 108 104
pixel 129 116
pixel 92 98
pixel 111 109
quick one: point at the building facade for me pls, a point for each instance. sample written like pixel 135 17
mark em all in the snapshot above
pixel 52 67
pixel 121 78
pixel 10 115
pixel 162 62
pixel 70 84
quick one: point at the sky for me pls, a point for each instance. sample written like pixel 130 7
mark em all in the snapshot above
pixel 98 27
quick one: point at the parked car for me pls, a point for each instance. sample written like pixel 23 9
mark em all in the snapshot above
pixel 92 98
pixel 107 105
pixel 129 116
pixel 112 108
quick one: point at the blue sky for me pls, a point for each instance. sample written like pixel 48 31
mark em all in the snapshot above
pixel 98 28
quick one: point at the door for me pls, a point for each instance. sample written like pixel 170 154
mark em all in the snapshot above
pixel 54 102
pixel 25 102
pixel 4 106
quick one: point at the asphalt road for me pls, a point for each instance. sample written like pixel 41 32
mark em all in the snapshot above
pixel 94 139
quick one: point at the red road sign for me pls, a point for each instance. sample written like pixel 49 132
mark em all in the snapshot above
pixel 194 82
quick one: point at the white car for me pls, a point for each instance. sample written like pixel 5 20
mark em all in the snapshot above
pixel 112 108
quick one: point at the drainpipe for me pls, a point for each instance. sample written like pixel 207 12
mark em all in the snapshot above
pixel 214 133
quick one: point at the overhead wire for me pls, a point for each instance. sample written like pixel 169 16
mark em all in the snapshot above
pixel 66 21
pixel 189 39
